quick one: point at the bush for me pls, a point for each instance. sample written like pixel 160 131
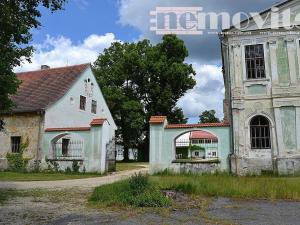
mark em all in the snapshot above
pixel 197 147
pixel 137 191
pixel 138 183
pixel 151 198
pixel 68 170
pixel 75 167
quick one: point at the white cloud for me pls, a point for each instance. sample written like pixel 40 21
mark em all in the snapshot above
pixel 61 51
pixel 207 94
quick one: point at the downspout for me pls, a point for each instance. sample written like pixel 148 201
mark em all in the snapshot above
pixel 39 142
pixel 221 37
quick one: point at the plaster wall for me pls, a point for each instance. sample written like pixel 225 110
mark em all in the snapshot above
pixel 24 125
pixel 66 112
pixel 162 146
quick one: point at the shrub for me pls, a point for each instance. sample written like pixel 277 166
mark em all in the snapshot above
pixel 75 167
pixel 137 191
pixel 138 183
pixel 68 170
pixel 197 147
pixel 151 198
pixel 16 161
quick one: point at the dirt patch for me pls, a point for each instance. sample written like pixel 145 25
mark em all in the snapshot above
pixel 70 207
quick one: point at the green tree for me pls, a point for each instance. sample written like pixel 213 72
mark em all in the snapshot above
pixel 140 80
pixel 17 19
pixel 209 116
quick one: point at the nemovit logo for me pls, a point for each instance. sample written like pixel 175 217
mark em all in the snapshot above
pixel 194 20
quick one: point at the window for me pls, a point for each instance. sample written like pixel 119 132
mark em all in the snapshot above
pixel 214 154
pixel 65 146
pixel 195 141
pixel 82 102
pixel 255 63
pixel 94 106
pixel 15 144
pixel 260 133
pixel 197 154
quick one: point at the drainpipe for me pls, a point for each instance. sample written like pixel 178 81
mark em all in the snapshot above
pixel 225 45
pixel 39 142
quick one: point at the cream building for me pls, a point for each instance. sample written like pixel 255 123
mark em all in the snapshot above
pixel 262 99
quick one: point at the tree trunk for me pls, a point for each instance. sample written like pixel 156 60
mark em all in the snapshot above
pixel 126 154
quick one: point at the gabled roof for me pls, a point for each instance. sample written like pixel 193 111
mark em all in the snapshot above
pixel 280 4
pixel 39 89
pixel 199 134
pixel 157 119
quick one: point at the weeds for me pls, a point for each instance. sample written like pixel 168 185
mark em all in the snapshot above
pixel 137 192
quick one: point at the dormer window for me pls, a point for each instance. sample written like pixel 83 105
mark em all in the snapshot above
pixel 82 102
pixel 255 62
pixel 94 107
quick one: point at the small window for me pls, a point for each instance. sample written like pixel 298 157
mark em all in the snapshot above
pixel 214 154
pixel 94 106
pixel 195 141
pixel 15 144
pixel 65 146
pixel 196 154
pixel 255 62
pixel 82 102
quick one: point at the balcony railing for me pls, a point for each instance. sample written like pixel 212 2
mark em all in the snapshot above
pixel 66 149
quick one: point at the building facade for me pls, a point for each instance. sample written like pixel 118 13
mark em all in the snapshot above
pixel 262 98
pixel 63 115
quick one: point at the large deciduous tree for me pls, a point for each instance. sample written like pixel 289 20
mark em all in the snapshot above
pixel 140 80
pixel 209 116
pixel 17 19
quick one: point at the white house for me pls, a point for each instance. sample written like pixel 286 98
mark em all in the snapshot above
pixel 63 114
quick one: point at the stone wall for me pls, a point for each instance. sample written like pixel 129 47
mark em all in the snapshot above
pixel 195 168
pixel 24 125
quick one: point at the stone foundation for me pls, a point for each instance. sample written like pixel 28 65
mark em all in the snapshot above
pixel 255 166
pixel 195 168
pixel 288 166
pixel 250 166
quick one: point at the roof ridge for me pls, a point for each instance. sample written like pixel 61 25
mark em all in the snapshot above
pixel 55 68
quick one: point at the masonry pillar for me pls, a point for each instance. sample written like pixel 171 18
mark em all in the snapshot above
pixel 97 156
pixel 291 49
pixel 157 127
pixel 273 62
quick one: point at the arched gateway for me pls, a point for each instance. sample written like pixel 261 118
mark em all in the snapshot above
pixel 196 148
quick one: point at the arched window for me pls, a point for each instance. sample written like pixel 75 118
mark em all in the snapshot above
pixel 260 133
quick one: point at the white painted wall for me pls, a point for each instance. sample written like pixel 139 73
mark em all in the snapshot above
pixel 66 112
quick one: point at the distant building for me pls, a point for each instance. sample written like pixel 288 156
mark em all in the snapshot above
pixel 64 116
pixel 197 145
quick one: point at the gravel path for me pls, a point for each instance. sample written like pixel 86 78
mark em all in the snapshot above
pixel 88 183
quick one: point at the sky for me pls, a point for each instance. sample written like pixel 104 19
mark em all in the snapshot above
pixel 80 32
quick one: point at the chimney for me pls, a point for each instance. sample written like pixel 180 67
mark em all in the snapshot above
pixel 45 67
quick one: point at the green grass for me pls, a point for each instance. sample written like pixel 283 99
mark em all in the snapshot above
pixel 129 166
pixel 223 185
pixel 18 176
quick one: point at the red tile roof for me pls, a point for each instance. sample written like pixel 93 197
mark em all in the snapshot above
pixel 68 129
pixel 199 134
pixel 97 122
pixel 157 119
pixel 200 125
pixel 41 88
